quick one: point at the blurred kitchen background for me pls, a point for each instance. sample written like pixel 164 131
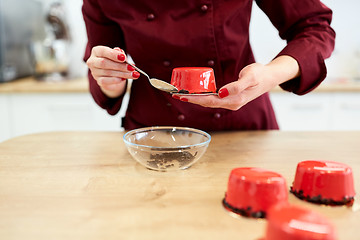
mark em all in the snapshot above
pixel 43 83
pixel 41 32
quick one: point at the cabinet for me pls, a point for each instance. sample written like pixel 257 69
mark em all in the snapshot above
pixel 317 111
pixel 346 115
pixel 26 113
pixel 38 112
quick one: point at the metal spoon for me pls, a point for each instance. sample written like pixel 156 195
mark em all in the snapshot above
pixel 157 83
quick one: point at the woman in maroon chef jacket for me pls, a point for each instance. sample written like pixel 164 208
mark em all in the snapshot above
pixel 161 35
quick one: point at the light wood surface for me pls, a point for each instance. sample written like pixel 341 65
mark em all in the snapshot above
pixel 31 85
pixel 85 185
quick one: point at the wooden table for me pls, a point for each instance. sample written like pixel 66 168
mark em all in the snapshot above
pixel 85 185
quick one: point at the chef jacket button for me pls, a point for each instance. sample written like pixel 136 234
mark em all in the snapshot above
pixel 150 17
pixel 211 63
pixel 217 115
pixel 169 104
pixel 181 117
pixel 204 8
pixel 166 63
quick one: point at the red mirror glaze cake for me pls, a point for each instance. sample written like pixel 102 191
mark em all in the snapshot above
pixel 194 79
pixel 324 182
pixel 252 191
pixel 297 223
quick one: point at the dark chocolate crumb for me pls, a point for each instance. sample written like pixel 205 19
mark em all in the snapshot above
pixel 256 214
pixel 319 200
pixel 168 159
pixel 244 212
pixel 316 198
pixel 183 91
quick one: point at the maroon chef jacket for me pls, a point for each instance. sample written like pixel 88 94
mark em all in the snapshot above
pixel 161 35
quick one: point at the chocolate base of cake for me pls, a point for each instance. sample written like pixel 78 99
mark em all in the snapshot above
pixel 244 212
pixel 183 91
pixel 318 199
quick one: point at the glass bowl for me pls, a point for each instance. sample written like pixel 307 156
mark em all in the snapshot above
pixel 167 148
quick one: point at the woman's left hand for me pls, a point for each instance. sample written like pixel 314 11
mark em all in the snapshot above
pixel 254 80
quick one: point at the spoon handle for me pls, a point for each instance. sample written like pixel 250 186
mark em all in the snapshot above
pixel 138 69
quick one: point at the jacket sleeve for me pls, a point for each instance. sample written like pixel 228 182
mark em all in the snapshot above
pixel 305 25
pixel 101 31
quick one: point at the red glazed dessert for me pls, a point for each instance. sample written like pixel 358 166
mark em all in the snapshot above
pixel 251 191
pixel 295 223
pixel 324 182
pixel 194 80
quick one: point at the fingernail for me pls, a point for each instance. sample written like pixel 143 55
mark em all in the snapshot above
pixel 184 99
pixel 123 79
pixel 223 93
pixel 130 68
pixel 121 57
pixel 135 74
pixel 176 96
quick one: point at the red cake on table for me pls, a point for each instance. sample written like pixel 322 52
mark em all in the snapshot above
pixel 324 182
pixel 297 223
pixel 252 191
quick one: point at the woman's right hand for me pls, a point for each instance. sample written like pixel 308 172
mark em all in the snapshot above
pixel 109 69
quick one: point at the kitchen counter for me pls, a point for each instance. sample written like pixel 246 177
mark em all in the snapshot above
pixel 85 185
pixel 31 85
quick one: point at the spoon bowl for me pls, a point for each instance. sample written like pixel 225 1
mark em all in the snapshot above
pixel 157 83
pixel 162 85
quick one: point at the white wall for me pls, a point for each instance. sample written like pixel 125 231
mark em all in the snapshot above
pixel 79 39
pixel 77 68
pixel 345 61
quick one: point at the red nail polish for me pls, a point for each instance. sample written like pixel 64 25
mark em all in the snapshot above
pixel 130 68
pixel 184 99
pixel 135 74
pixel 223 93
pixel 123 79
pixel 121 57
pixel 176 96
